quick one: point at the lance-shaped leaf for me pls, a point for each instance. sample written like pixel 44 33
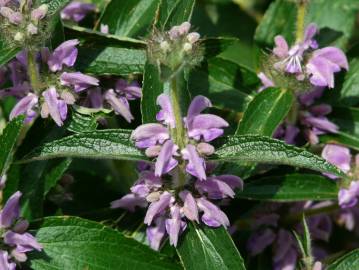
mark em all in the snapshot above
pixel 280 19
pixel 8 142
pixel 100 144
pixel 348 261
pixel 174 12
pixel 266 111
pixel 77 244
pixel 129 18
pixel 104 54
pixel 260 149
pixel 208 249
pixel 291 187
pixel 7 53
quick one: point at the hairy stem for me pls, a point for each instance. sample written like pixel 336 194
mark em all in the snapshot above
pixel 32 72
pixel 302 7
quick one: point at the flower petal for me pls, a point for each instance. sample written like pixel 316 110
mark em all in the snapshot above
pixel 189 208
pixel 11 210
pixel 196 164
pixel 165 162
pixel 148 135
pixel 129 202
pixel 337 155
pixel 157 207
pixel 78 80
pixel 65 54
pixel 166 114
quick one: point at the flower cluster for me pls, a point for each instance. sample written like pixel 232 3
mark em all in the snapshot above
pixel 310 120
pixel 174 196
pixel 22 23
pixel 16 242
pixel 268 230
pixel 340 156
pixel 61 86
pixel 59 90
pixel 175 49
pixel 321 64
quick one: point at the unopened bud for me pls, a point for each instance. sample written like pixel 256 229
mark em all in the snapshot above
pixel 165 46
pixel 184 28
pixel 12 16
pixel 193 37
pixel 205 149
pixel 19 36
pixel 32 29
pixel 174 32
pixel 153 197
pixel 104 28
pixel 187 47
pixel 39 13
pixel 68 97
pixel 44 110
pixel 153 151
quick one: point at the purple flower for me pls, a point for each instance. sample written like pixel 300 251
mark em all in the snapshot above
pixel 15 237
pixel 190 209
pixel 196 165
pixel 5 263
pixel 53 106
pixel 165 161
pixel 76 11
pixel 65 54
pixel 11 211
pixel 286 254
pixel 212 214
pixel 219 187
pixel 157 207
pixel 129 202
pixel 348 197
pixel 323 64
pixel 25 106
pixel 260 240
pixel 337 155
pixel 175 225
pixel 78 80
pixel 156 233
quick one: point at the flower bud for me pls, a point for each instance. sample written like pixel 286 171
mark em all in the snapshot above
pixel 153 151
pixel 19 36
pixel 12 16
pixel 165 46
pixel 39 13
pixel 187 47
pixel 184 28
pixel 153 197
pixel 205 149
pixel 193 37
pixel 32 29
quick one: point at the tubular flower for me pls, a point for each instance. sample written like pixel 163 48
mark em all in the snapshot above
pixel 16 241
pixel 63 86
pixel 340 156
pixel 267 232
pixel 200 129
pixel 306 61
pixel 170 210
pixel 311 120
pixel 77 11
pixel 188 196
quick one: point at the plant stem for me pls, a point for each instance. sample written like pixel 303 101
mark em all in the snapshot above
pixel 302 7
pixel 178 133
pixel 32 72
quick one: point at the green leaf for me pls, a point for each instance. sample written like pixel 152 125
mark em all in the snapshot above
pixel 280 19
pixel 8 142
pixel 81 123
pixel 262 149
pixel 204 248
pixel 349 93
pixel 266 111
pixel 215 46
pixel 291 187
pixel 103 54
pixel 55 174
pixel 7 53
pixel 129 18
pixel 342 138
pixel 152 87
pixel 37 179
pixel 348 261
pixel 77 244
pixel 226 84
pixel 174 12
pixel 100 144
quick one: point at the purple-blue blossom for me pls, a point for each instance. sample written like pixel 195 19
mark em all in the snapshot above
pixel 15 238
pixel 54 99
pixel 305 61
pixel 77 11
